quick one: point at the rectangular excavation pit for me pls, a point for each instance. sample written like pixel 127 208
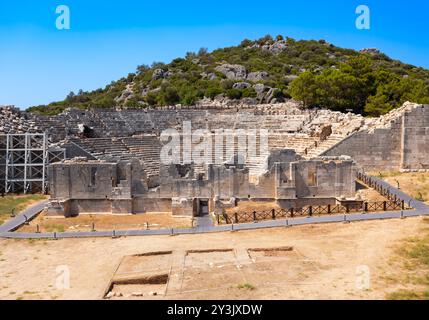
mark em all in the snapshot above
pixel 134 286
pixel 210 269
pixel 283 264
pixel 145 262
pixel 140 275
pixel 209 258
pixel 201 279
pixel 256 253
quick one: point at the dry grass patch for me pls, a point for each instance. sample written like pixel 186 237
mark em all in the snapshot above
pixel 246 286
pixel 416 184
pixel 412 262
pixel 17 203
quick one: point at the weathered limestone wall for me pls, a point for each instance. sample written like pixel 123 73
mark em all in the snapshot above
pixel 181 206
pixel 415 151
pixel 146 204
pixel 83 186
pixel 402 146
pixel 73 151
pixel 324 178
pixel 377 150
pixel 82 180
pixel 89 206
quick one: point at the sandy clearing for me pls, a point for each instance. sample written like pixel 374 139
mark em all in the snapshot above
pixel 103 222
pixel 28 268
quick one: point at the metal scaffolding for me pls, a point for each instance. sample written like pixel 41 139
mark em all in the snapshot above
pixel 23 161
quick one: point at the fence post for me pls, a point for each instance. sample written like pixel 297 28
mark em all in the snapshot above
pixel 310 210
pixel 403 205
pixel 291 212
pixel 329 209
pixel 236 217
pixel 254 216
pixel 273 213
pixel 384 206
pixel 366 206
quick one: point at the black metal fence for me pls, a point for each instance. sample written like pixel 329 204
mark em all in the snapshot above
pixel 372 183
pixel 393 203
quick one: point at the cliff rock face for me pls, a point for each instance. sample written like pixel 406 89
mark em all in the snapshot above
pixel 257 76
pixel 232 71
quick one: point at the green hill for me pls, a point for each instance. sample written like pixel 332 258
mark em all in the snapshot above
pixel 266 70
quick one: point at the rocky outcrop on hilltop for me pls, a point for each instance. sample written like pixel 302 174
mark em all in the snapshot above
pixel 232 71
pixel 275 47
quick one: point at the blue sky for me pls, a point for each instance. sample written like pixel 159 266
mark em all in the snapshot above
pixel 108 39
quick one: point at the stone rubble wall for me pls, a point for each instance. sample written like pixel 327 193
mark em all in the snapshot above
pixel 398 140
pixel 14 121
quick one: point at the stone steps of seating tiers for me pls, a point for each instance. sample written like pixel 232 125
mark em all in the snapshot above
pixel 324 146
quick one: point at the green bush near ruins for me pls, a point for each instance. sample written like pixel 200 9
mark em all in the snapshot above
pixel 316 72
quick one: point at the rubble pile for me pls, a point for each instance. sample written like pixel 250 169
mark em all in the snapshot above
pixel 385 121
pixel 13 121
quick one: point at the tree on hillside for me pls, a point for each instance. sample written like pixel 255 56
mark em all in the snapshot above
pixel 340 91
pixel 332 89
pixel 304 88
pixel 142 69
pixel 203 52
pixel 394 93
pixel 70 96
pixel 168 96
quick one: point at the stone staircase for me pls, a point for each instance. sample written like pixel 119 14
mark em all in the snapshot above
pixel 323 146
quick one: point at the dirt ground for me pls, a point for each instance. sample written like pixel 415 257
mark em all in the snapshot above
pixel 327 261
pixel 370 195
pixel 107 222
pixel 250 206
